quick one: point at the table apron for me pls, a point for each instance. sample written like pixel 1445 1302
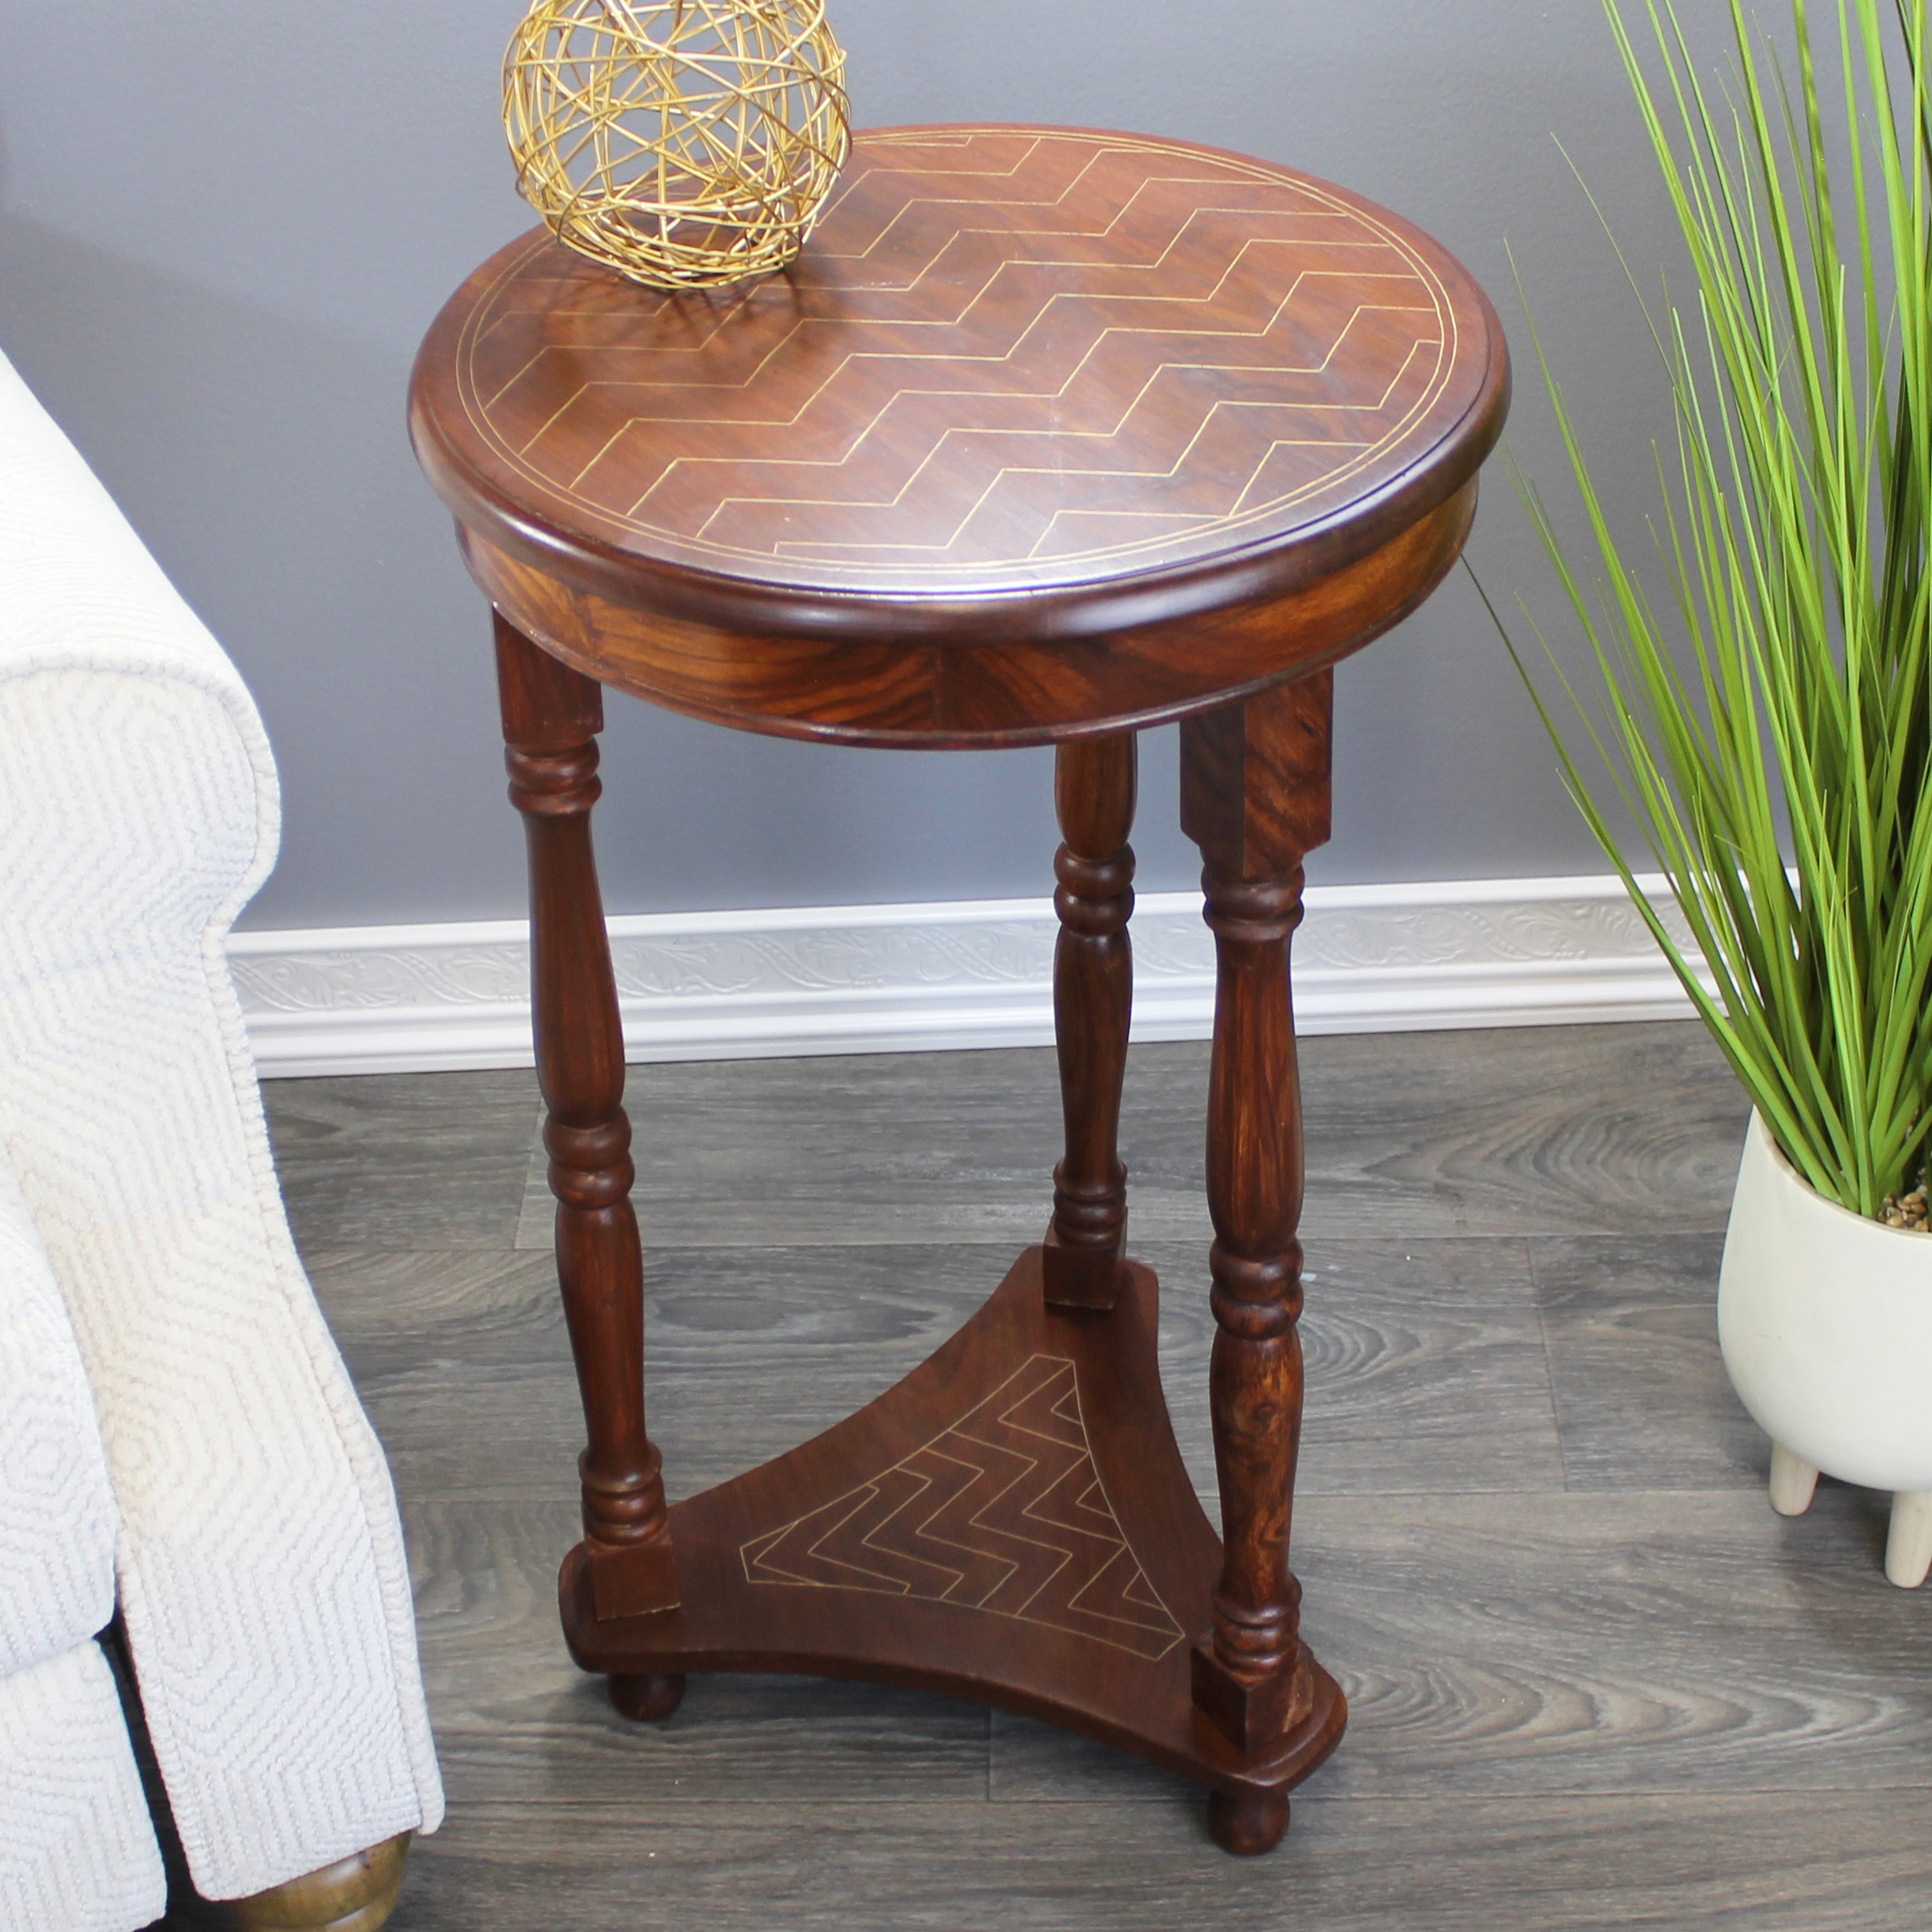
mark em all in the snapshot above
pixel 973 696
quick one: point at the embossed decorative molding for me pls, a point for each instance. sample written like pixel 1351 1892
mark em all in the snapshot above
pixel 903 978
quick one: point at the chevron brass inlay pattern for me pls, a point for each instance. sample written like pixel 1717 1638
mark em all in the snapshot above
pixel 1009 357
pixel 1003 1512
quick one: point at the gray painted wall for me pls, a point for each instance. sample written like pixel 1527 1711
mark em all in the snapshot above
pixel 223 229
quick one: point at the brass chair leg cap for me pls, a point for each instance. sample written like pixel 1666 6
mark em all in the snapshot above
pixel 356 1893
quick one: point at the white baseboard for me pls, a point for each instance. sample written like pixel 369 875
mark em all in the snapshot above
pixel 908 978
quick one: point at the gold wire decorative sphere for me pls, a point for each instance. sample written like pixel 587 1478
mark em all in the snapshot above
pixel 685 142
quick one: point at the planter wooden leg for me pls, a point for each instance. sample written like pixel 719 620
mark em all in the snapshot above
pixel 1793 1483
pixel 1255 798
pixel 1908 1550
pixel 551 717
pixel 354 1894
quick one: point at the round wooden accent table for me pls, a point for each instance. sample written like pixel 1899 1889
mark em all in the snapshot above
pixel 1047 436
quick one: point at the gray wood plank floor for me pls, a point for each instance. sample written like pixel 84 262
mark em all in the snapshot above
pixel 1595 1681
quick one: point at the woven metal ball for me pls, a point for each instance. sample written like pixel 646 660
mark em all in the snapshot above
pixel 685 142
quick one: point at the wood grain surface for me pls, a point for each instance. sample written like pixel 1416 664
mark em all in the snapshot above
pixel 551 716
pixel 1011 688
pixel 1095 786
pixel 1011 1520
pixel 1046 434
pixel 1595 1680
pixel 1784 1863
pixel 1031 388
pixel 1508 1132
pixel 1082 370
pixel 1255 785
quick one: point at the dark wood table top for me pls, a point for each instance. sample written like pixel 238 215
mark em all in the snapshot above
pixel 1020 381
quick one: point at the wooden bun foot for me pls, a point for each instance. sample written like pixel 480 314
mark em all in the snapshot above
pixel 354 1894
pixel 649 1698
pixel 1249 1825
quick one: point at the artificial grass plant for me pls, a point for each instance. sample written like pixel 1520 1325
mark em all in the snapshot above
pixel 1770 731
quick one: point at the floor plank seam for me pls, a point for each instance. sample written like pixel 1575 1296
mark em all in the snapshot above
pixel 1536 1283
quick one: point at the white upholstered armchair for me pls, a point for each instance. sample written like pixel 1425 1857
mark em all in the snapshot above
pixel 177 1432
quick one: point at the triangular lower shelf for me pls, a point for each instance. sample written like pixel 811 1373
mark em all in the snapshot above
pixel 1012 1522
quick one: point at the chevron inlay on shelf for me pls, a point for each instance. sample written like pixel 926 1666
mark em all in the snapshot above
pixel 1006 355
pixel 1003 1512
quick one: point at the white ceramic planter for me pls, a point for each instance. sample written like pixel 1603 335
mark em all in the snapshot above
pixel 1825 1321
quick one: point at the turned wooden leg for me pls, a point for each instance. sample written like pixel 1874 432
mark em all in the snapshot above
pixel 1908 1549
pixel 1094 781
pixel 1255 798
pixel 1793 1483
pixel 551 718
pixel 354 1894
